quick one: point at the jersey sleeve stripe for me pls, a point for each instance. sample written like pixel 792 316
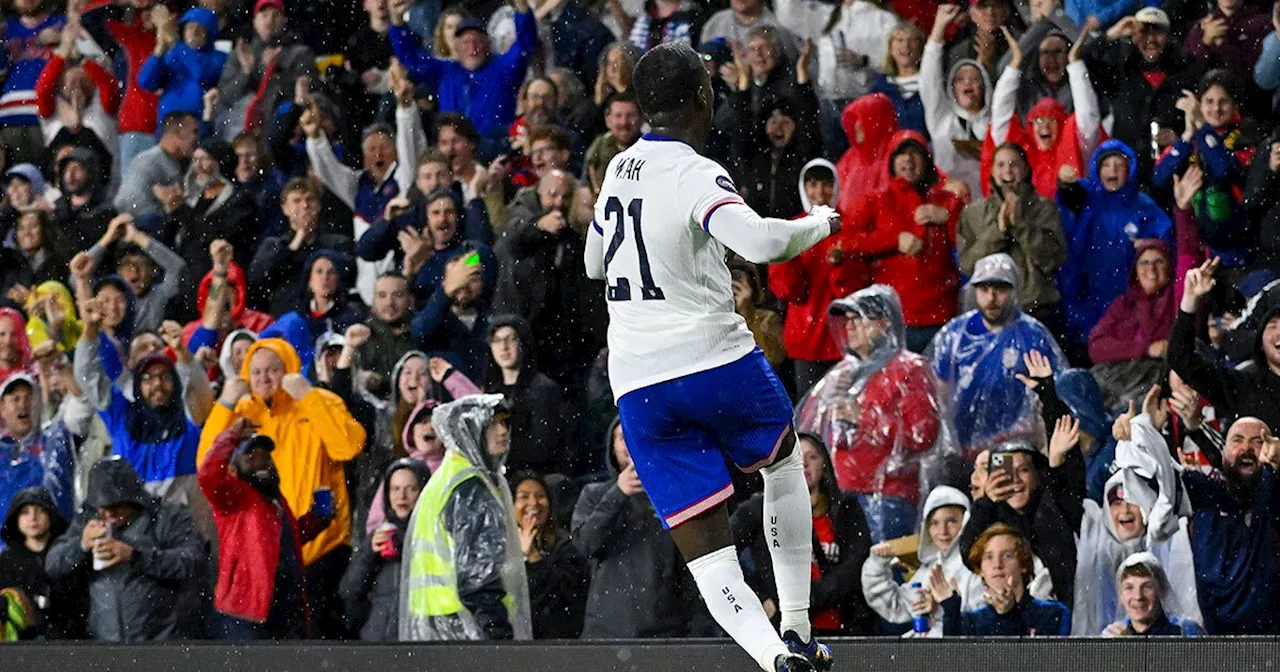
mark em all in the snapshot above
pixel 596 225
pixel 706 220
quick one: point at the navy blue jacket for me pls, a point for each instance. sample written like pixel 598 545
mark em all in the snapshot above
pixel 1235 556
pixel 439 333
pixel 1028 618
pixel 380 237
pixel 578 38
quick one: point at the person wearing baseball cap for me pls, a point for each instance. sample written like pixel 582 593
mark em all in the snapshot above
pixel 1139 72
pixel 977 354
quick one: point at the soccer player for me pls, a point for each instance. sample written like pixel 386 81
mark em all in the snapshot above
pixel 690 383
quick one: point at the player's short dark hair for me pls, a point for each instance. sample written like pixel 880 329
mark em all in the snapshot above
pixel 665 80
pixel 460 125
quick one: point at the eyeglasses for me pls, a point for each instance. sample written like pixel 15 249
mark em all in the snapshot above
pixel 148 377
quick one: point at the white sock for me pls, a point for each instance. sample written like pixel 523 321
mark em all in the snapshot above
pixel 788 527
pixel 735 607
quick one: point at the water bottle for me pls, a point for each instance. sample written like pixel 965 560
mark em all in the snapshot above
pixel 919 624
pixel 100 564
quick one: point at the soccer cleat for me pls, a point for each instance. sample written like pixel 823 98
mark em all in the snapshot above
pixel 792 662
pixel 815 652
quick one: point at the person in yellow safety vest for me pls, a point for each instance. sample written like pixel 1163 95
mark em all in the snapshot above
pixel 463 569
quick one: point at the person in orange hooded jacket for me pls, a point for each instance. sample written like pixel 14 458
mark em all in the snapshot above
pixel 314 435
pixel 907 233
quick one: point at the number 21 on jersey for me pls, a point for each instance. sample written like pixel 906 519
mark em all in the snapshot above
pixel 614 212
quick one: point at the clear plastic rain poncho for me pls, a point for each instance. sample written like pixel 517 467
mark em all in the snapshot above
pixel 977 366
pixel 461 537
pixel 878 411
pixel 1173 600
pixel 1145 476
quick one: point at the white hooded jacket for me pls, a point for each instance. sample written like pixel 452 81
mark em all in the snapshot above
pixel 949 123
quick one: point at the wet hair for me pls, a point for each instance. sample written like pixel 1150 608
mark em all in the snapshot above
pixel 555 88
pixel 432 155
pixel 265 160
pixel 460 125
pixel 298 184
pixel 1137 569
pixel 442 192
pixel 555 134
pixel 666 80
pixel 379 128
pixel 1223 78
pixel 1022 549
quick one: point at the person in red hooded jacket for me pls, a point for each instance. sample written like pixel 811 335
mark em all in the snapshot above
pixel 869 122
pixel 808 284
pixel 907 233
pixel 1051 137
pixel 226 284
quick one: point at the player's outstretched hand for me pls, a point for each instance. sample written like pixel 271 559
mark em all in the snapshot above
pixel 830 214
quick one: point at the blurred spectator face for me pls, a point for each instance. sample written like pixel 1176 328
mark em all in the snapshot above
pixel 215 6
pixel 863 333
pixel 979 474
pixel 26 7
pixel 1140 596
pixel 819 192
pixel 328 362
pixel 1240 456
pixel 532 502
pixel 323 281
pixel 76 81
pixel 247 162
pixel 473 49
pixel 905 48
pixel 238 350
pixel 620 452
pixel 780 128
pixel 944 526
pixel 206 167
pixel 969 89
pixel 1271 342
pixel 1217 107
pixel 19 193
pixel 616 70
pixel 142 346
pixel 194 35
pixel 156 384
pixel 75 179
pixel 505 347
pixel 1153 271
pixel 989 15
pixel 1053 58
pixel 268 23
pixel 1000 563
pixel 746 7
pixel 1150 41
pixel 810 452
pixel 992 300
pixel 761 56
pixel 413 381
pixel 1045 130
pixel 442 220
pixel 1043 7
pixel 114 305
pixel 377 11
pixel 266 370
pixel 30 233
pixel 33 521
pixel 302 208
pixel 555 191
pixel 1114 172
pixel 139 271
pixel 1009 169
pixel 424 437
pixel 259 470
pixel 470 291
pixel 1025 481
pixel 16 410
pixel 539 102
pixel 183 137
pixel 1229 7
pixel 118 516
pixel 908 165
pixel 497 438
pixel 391 298
pixel 623 122
pixel 546 156
pixel 1125 517
pixel 460 150
pixel 433 175
pixel 379 152
pixel 451 21
pixel 402 491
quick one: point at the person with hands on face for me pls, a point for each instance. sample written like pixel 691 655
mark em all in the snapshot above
pixel 1003 558
pixel 221 298
pixel 151 184
pixel 139 260
pixel 275 275
pixel 557 570
pixel 314 435
pixel 454 321
pixel 143 554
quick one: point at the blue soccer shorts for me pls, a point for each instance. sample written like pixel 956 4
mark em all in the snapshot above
pixel 679 432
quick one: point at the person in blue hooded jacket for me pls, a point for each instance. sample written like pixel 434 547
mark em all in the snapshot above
pixel 1104 217
pixel 324 304
pixel 183 71
pixel 32 455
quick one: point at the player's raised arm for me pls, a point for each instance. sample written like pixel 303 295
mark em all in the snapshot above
pixel 760 240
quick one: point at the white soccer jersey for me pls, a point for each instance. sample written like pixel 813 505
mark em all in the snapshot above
pixel 662 221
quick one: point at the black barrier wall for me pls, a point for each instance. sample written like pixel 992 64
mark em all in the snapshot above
pixel 1209 654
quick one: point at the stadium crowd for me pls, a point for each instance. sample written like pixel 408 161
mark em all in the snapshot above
pixel 296 339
